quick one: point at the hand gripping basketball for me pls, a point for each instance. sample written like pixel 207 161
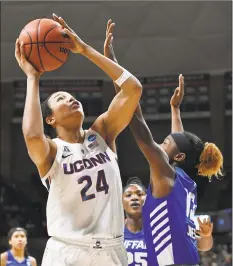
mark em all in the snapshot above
pixel 78 45
pixel 27 68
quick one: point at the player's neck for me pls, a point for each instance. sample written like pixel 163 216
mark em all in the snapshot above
pixel 19 254
pixel 134 225
pixel 71 136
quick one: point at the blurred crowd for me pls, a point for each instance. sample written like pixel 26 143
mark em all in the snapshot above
pixel 219 255
pixel 18 208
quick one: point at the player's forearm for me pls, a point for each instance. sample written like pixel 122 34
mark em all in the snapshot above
pixel 205 243
pixel 138 125
pixel 177 125
pixel 112 69
pixel 113 58
pixel 139 128
pixel 32 118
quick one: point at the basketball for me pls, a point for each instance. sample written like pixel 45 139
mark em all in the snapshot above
pixel 46 45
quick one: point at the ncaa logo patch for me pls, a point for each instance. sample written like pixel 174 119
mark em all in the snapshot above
pixel 91 138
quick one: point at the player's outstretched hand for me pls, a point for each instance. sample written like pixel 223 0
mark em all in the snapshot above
pixel 178 95
pixel 78 45
pixel 24 64
pixel 206 227
pixel 108 43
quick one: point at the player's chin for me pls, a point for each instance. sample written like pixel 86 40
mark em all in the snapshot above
pixel 78 113
pixel 20 245
pixel 136 210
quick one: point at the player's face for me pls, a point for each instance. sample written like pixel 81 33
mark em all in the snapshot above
pixel 133 199
pixel 18 240
pixel 170 147
pixel 66 109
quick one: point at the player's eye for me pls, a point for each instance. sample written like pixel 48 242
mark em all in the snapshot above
pixel 60 98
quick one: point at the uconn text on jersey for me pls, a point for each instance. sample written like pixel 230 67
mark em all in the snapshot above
pixel 79 165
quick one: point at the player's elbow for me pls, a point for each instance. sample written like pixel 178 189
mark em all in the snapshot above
pixel 30 133
pixel 32 136
pixel 137 87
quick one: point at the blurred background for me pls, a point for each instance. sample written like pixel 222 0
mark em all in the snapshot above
pixel 156 41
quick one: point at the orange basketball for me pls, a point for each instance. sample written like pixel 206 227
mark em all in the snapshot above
pixel 46 44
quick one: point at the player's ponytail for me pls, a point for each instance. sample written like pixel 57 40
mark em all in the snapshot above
pixel 204 159
pixel 210 161
pixel 49 131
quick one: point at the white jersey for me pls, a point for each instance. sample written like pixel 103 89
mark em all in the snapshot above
pixel 85 191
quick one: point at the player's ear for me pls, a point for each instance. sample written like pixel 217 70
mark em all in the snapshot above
pixel 180 157
pixel 50 120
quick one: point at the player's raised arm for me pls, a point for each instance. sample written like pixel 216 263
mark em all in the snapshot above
pixel 152 151
pixel 123 105
pixel 41 150
pixel 175 102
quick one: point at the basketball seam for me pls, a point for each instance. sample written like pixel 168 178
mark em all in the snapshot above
pixel 44 42
pixel 29 43
pixel 48 49
pixel 38 45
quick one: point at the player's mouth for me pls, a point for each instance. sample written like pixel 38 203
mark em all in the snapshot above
pixel 75 105
pixel 135 205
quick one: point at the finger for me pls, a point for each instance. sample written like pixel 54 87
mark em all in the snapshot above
pixel 108 24
pixel 61 21
pixel 181 84
pixel 111 41
pixel 70 33
pixel 176 92
pixel 22 52
pixel 211 226
pixel 108 39
pixel 111 27
pixel 199 221
pixel 17 51
pixel 55 17
pixel 64 24
pixel 208 219
pixel 198 232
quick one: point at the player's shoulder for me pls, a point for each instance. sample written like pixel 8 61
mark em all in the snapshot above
pixel 99 126
pixel 3 258
pixel 32 260
pixel 184 178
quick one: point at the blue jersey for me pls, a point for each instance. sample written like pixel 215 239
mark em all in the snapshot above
pixel 11 261
pixel 169 224
pixel 136 248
